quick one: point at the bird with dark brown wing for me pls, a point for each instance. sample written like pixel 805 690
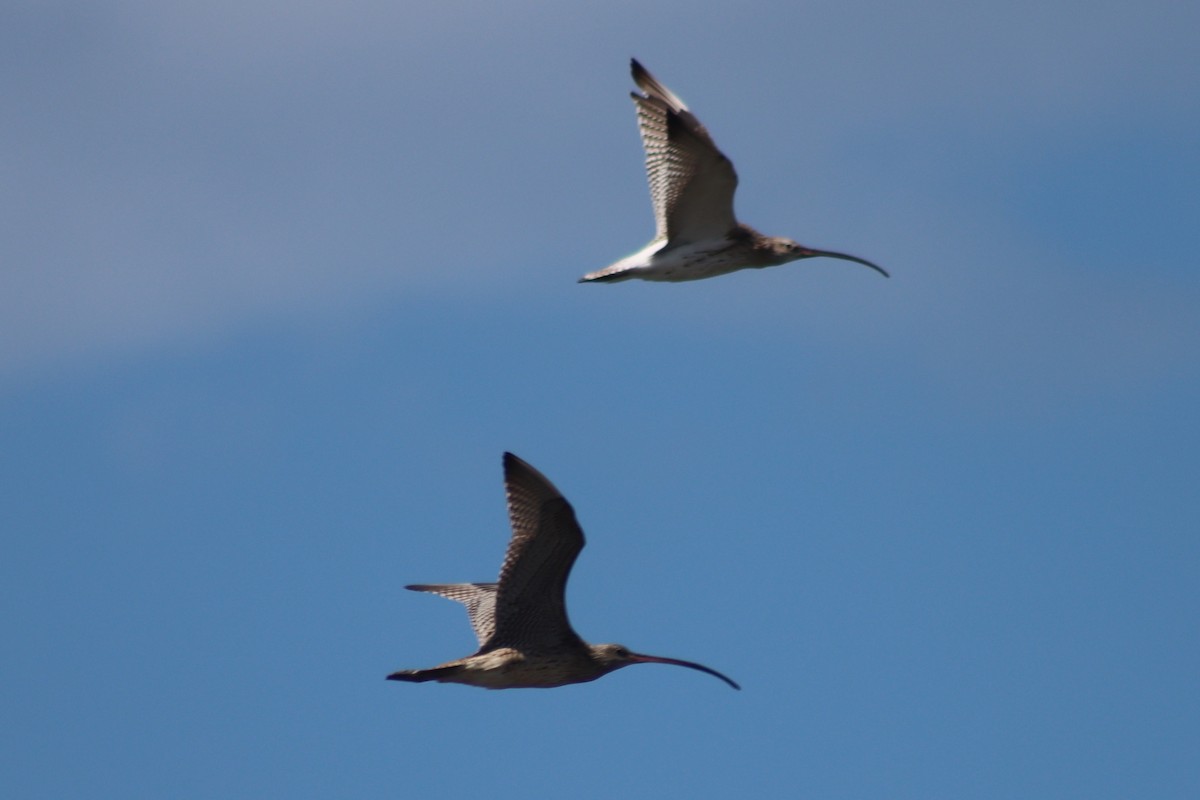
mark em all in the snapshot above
pixel 525 638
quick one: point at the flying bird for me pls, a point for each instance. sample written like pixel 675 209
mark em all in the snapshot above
pixel 691 187
pixel 525 639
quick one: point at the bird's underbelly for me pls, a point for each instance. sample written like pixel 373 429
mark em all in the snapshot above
pixel 695 261
pixel 510 669
pixel 658 261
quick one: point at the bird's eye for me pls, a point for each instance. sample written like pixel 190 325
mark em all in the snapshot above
pixel 622 651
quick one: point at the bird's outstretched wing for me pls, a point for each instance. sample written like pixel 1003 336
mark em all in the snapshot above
pixel 479 598
pixel 691 181
pixel 531 610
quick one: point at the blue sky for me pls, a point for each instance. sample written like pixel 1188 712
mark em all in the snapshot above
pixel 278 285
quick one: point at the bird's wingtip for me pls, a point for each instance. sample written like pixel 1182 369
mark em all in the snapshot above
pixel 640 74
pixel 515 466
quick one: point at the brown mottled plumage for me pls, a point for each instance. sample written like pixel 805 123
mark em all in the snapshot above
pixel 691 187
pixel 525 638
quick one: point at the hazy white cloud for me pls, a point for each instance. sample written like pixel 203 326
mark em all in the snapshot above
pixel 175 171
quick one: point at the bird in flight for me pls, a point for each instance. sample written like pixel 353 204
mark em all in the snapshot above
pixel 691 187
pixel 525 639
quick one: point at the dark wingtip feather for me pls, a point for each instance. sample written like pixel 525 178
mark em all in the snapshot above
pixel 515 465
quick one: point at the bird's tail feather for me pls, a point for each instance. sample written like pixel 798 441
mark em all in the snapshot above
pixel 423 675
pixel 607 275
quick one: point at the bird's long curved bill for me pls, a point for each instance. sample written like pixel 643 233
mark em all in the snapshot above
pixel 844 257
pixel 638 658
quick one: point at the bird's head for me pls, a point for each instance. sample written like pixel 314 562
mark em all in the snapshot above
pixel 615 656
